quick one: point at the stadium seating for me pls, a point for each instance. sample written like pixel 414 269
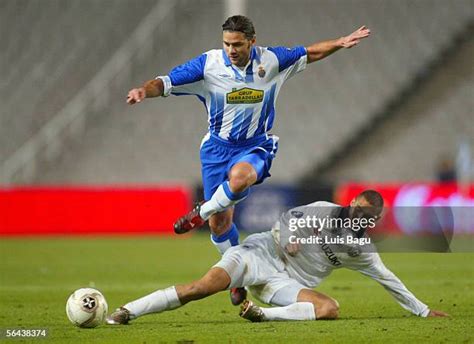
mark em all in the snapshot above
pixel 426 129
pixel 51 50
pixel 158 140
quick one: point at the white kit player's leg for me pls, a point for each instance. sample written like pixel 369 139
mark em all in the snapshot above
pixel 214 281
pixel 156 302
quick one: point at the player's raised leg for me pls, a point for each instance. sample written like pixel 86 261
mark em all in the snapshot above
pixel 241 176
pixel 215 280
pixel 309 305
pixel 247 171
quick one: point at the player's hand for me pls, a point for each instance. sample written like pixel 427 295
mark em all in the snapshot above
pixel 292 249
pixel 437 314
pixel 355 37
pixel 136 95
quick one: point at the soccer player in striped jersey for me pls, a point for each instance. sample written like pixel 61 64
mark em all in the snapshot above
pixel 238 85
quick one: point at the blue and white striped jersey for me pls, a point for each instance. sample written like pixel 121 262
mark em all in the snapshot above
pixel 240 103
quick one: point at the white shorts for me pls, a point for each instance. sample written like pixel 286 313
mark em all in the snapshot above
pixel 255 264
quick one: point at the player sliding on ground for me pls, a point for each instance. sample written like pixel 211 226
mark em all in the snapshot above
pixel 238 85
pixel 281 267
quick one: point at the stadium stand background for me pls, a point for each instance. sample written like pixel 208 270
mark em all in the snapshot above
pixel 424 130
pixel 51 49
pixel 64 45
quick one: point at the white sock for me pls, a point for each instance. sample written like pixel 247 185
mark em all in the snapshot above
pixel 158 301
pixel 221 200
pixel 295 311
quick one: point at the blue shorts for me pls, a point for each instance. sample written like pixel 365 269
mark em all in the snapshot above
pixel 218 156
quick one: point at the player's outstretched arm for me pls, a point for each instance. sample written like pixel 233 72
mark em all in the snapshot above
pixel 320 50
pixel 375 269
pixel 152 88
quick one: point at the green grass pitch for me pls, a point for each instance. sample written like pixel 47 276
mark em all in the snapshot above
pixel 37 276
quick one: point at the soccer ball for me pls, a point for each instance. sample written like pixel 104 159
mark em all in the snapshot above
pixel 86 307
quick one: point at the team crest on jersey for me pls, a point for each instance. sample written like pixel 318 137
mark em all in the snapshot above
pixel 297 214
pixel 245 96
pixel 354 251
pixel 261 72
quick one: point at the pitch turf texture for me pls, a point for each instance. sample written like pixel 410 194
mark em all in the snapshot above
pixel 38 275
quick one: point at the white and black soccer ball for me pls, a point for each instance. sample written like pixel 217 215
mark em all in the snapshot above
pixel 86 307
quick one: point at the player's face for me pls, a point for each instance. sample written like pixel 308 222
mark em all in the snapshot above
pixel 360 208
pixel 237 47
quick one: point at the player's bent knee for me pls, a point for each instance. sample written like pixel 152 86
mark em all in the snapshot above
pixel 239 184
pixel 241 179
pixel 329 310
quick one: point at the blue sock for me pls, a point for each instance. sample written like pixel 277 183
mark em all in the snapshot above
pixel 226 240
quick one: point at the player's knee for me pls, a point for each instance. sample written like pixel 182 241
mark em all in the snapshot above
pixel 329 310
pixel 238 183
pixel 241 179
pixel 333 311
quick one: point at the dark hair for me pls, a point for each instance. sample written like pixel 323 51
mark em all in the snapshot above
pixel 373 198
pixel 240 24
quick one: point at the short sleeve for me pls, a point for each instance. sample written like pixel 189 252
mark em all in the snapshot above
pixel 186 78
pixel 290 60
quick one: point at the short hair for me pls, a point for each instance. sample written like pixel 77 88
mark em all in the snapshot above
pixel 374 198
pixel 240 24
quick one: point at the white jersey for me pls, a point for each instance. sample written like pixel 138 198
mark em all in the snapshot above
pixel 240 103
pixel 315 261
